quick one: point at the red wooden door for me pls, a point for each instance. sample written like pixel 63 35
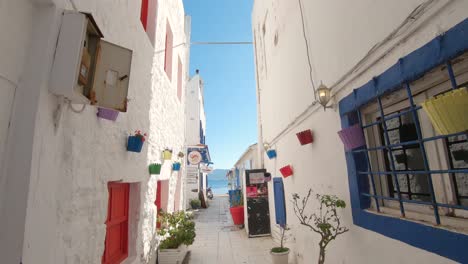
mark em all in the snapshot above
pixel 116 245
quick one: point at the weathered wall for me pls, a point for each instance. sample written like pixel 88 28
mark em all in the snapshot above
pixel 340 34
pixel 67 169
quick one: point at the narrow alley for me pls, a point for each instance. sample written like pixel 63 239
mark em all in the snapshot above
pixel 220 241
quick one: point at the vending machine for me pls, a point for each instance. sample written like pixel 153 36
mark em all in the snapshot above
pixel 258 211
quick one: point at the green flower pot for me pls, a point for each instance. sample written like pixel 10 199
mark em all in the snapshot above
pixel 155 168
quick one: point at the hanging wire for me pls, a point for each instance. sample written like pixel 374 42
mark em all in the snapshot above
pixel 307 49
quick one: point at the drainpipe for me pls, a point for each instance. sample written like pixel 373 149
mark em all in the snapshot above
pixel 260 155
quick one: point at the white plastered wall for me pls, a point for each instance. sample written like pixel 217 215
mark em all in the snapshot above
pixel 340 33
pixel 55 180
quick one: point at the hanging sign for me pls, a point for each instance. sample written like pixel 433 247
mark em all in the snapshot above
pixel 256 177
pixel 206 169
pixel 194 157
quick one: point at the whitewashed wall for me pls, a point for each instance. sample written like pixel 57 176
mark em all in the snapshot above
pixel 54 182
pixel 340 33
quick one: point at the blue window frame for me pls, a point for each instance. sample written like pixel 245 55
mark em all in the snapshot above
pixel 440 51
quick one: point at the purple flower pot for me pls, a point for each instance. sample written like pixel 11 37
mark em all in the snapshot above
pixel 108 114
pixel 352 137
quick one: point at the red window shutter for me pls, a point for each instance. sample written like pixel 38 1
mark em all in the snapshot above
pixel 179 79
pixel 144 13
pixel 168 56
pixel 116 244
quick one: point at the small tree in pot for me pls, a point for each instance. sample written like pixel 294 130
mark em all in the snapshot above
pixel 326 222
pixel 280 254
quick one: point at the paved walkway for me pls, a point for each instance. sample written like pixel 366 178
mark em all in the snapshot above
pixel 219 241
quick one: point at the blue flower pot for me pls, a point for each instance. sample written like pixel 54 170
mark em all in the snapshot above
pixel 134 144
pixel 176 167
pixel 271 154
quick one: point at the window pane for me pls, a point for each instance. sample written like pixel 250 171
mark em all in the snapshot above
pixel 458 148
pixel 406 158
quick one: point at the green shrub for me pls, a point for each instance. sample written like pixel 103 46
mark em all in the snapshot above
pixel 195 203
pixel 176 229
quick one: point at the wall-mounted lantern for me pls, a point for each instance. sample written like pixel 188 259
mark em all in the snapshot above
pixel 324 96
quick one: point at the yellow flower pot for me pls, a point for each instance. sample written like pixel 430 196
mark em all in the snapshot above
pixel 167 155
pixel 449 111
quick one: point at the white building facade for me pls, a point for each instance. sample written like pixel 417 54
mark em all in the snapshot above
pixel 195 121
pixel 364 50
pixel 62 169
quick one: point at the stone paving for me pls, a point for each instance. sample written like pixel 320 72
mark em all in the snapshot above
pixel 218 241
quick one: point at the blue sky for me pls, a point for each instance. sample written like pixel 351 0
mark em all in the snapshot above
pixel 229 75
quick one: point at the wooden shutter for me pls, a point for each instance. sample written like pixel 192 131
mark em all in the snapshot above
pixel 280 205
pixel 179 79
pixel 116 244
pixel 168 56
pixel 144 13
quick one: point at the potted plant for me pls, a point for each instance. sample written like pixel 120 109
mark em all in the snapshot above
pixel 108 114
pixel 176 166
pixel 271 153
pixel 195 203
pixel 176 233
pixel 352 137
pixel 286 171
pixel 155 168
pixel 237 209
pixel 167 154
pixel 180 155
pixel 305 137
pixel 280 254
pixel 325 222
pixel 135 142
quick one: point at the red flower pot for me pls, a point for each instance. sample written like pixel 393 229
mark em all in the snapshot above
pixel 286 171
pixel 237 214
pixel 305 137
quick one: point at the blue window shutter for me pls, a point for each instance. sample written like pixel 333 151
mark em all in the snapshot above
pixel 280 205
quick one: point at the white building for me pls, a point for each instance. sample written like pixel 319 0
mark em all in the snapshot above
pixel 361 50
pixel 59 162
pixel 195 122
pixel 248 160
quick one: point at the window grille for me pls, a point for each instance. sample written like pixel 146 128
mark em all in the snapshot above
pixel 402 178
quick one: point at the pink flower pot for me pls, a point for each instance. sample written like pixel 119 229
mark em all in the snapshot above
pixel 108 114
pixel 352 137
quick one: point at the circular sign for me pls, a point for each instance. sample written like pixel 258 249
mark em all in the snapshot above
pixel 194 157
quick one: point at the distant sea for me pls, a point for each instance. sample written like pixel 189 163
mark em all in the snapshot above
pixel 218 186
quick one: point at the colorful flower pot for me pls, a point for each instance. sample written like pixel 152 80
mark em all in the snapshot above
pixel 134 144
pixel 108 114
pixel 155 168
pixel 448 112
pixel 460 155
pixel 167 155
pixel 237 214
pixel 305 137
pixel 176 166
pixel 352 137
pixel 271 153
pixel 286 171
